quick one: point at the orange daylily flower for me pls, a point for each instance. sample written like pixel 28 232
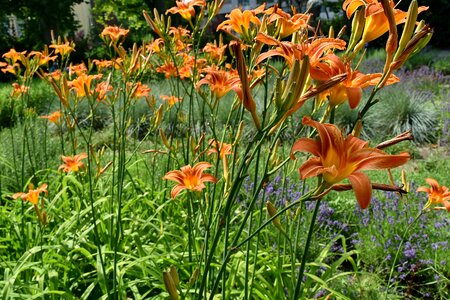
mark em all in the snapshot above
pixel 221 82
pixel 9 68
pixel 78 69
pixel 63 49
pixel 291 51
pixel 55 75
pixel 179 33
pixel 186 8
pixel 12 55
pixel 82 84
pixel 222 148
pixel 170 99
pixel 102 64
pixel 351 88
pixel 337 158
pixel 240 21
pixel 214 51
pixel 114 33
pixel 72 163
pixel 101 89
pixel 33 194
pixel 285 23
pixel 190 178
pixel 53 117
pixel 139 90
pixel 376 21
pixel 437 194
pixel 168 68
pixel 155 45
pixel 42 58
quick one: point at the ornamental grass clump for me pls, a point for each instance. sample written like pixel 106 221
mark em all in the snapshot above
pixel 118 226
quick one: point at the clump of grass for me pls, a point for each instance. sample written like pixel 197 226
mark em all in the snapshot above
pixel 400 111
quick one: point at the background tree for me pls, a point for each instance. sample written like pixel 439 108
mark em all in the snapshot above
pixel 128 14
pixel 39 18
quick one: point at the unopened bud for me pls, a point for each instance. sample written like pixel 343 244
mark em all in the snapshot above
pixel 247 99
pixel 392 42
pixel 158 117
pixel 239 132
pixel 194 277
pixel 408 29
pixel 272 211
pixel 174 275
pixel 44 218
pixel 405 183
pixel 170 285
pixel 331 32
pixel 358 24
pixel 357 129
pixel 164 138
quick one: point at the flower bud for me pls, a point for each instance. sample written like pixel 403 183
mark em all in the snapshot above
pixel 170 285
pixel 406 184
pixel 408 29
pixel 247 100
pixel 158 117
pixel 392 42
pixel 174 274
pixel 358 24
pixel 164 138
pixel 272 211
pixel 357 129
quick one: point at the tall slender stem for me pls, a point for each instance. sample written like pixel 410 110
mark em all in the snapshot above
pixel 298 291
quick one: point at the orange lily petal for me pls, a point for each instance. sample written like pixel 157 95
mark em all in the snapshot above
pixel 362 188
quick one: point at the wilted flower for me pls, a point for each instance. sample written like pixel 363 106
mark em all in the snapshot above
pixel 72 163
pixel 102 64
pixel 18 89
pixel 190 178
pixel 336 159
pixel 437 194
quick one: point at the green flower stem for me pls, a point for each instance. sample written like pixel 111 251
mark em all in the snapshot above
pixel 406 232
pixel 298 291
pixel 236 245
pixel 245 163
pixel 97 241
